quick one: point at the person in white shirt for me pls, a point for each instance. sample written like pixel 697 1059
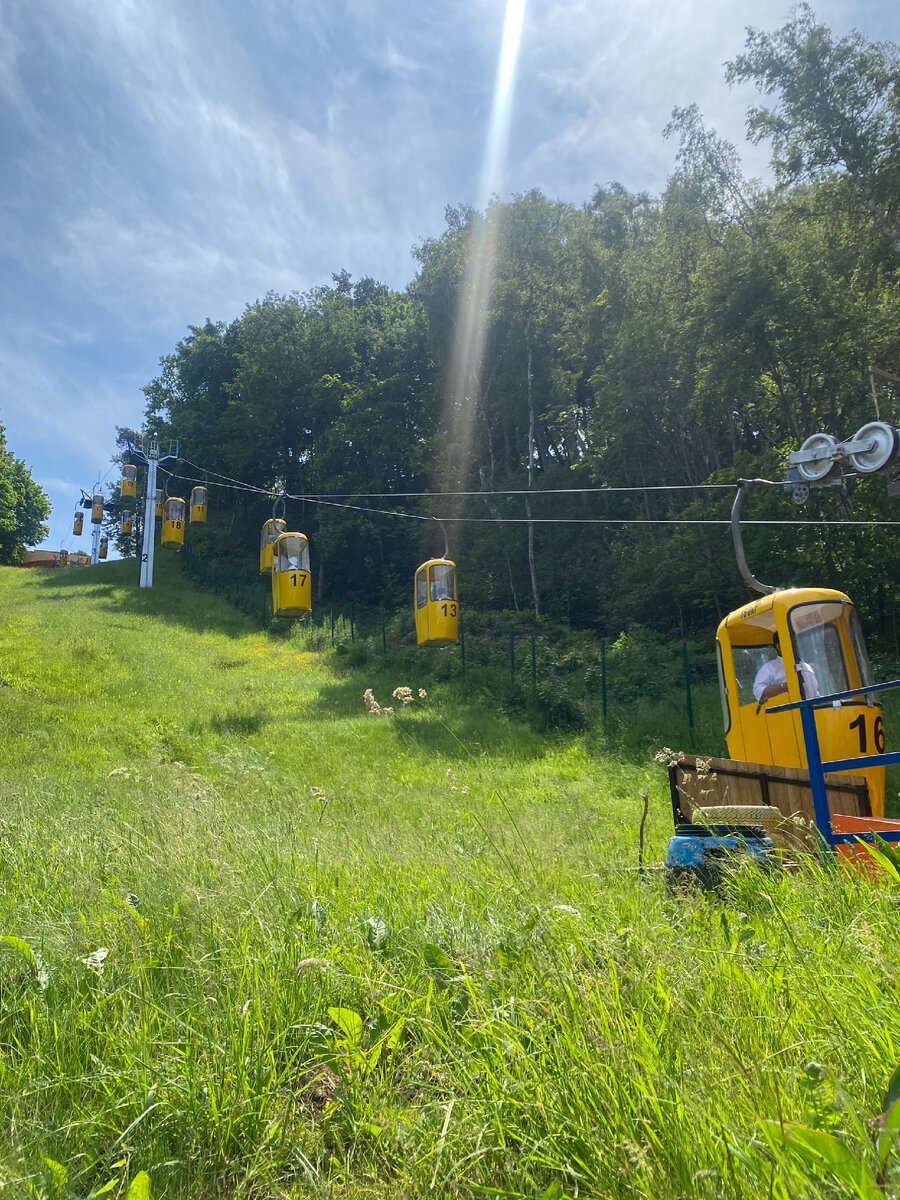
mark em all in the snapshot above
pixel 771 679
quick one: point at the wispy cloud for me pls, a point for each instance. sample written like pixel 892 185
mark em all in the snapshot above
pixel 168 161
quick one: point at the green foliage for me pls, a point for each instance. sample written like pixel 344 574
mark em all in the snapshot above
pixel 24 506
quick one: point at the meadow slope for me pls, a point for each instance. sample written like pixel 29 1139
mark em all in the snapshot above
pixel 260 944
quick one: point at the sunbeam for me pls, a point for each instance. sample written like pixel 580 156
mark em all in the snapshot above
pixel 464 383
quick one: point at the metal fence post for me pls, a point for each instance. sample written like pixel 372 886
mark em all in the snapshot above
pixel 462 646
pixel 533 665
pixel 603 675
pixel 512 654
pixel 687 690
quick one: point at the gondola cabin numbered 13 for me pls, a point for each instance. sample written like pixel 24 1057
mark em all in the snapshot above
pixel 270 531
pixel 436 603
pixel 291 579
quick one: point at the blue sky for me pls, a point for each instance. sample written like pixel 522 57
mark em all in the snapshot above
pixel 164 161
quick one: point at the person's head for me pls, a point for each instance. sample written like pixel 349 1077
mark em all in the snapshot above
pixel 776 642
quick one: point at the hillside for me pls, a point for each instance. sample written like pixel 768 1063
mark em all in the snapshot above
pixel 262 944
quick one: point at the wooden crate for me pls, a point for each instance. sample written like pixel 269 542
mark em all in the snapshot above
pixel 725 781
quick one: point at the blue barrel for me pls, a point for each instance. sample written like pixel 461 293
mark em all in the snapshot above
pixel 702 851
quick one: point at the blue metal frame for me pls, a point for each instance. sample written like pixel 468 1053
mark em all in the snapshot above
pixel 817 768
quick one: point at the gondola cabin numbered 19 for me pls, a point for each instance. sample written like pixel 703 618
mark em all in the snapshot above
pixel 128 486
pixel 794 645
pixel 291 579
pixel 437 604
pixel 173 523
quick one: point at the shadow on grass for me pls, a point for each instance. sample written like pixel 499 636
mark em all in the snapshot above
pixel 242 724
pixel 471 728
pixel 174 597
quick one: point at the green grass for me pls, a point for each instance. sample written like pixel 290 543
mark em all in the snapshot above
pixel 358 957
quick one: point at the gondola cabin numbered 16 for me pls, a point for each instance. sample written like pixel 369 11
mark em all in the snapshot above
pixel 173 523
pixel 437 604
pixel 291 579
pixel 270 531
pixel 794 645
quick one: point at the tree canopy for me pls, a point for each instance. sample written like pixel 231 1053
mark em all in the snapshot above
pixel 659 344
pixel 24 506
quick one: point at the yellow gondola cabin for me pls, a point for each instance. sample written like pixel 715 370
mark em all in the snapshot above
pixel 63 558
pixel 291 580
pixel 821 650
pixel 199 501
pixel 97 509
pixel 270 531
pixel 104 547
pixel 127 522
pixel 128 486
pixel 78 524
pixel 173 523
pixel 437 604
pixel 159 500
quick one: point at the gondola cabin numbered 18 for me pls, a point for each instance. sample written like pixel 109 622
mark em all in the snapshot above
pixel 173 523
pixel 291 579
pixel 437 604
pixel 794 645
pixel 127 522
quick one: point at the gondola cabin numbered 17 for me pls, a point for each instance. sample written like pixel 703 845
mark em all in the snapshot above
pixel 291 579
pixel 437 604
pixel 173 523
pixel 794 645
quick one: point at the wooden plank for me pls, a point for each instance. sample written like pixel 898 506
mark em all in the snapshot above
pixel 714 782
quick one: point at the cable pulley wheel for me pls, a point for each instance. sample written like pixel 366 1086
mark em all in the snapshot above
pixel 822 446
pixel 885 445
